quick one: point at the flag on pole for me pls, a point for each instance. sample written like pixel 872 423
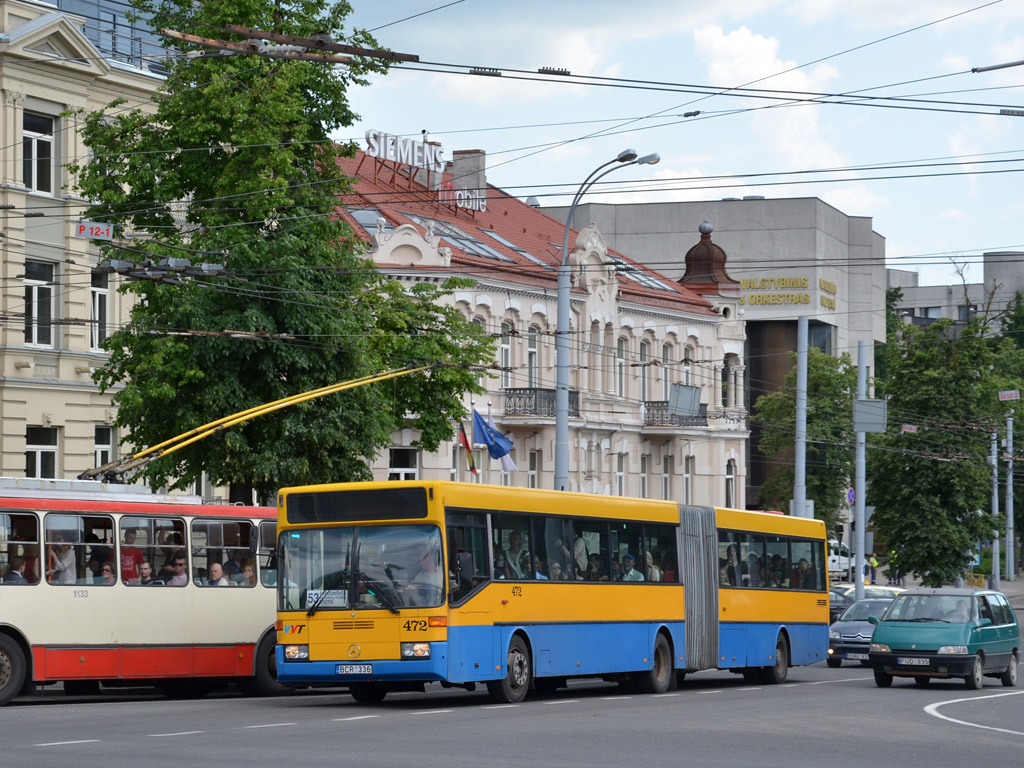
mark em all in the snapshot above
pixel 484 434
pixel 464 440
pixel 506 461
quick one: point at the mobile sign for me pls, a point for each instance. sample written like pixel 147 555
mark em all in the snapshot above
pixel 1009 394
pixel 94 230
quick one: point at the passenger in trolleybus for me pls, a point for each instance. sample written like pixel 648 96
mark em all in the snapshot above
pixel 131 556
pixel 629 571
pixel 146 574
pixel 60 562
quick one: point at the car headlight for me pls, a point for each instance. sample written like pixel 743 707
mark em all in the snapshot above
pixel 296 652
pixel 953 649
pixel 879 648
pixel 415 650
pixel 833 634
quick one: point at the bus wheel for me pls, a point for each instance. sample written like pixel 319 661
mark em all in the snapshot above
pixel 513 687
pixel 657 678
pixel 264 679
pixel 81 687
pixel 776 673
pixel 12 669
pixel 367 693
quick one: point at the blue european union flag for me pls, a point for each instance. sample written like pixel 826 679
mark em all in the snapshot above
pixel 483 433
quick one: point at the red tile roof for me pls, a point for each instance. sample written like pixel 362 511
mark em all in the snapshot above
pixel 386 187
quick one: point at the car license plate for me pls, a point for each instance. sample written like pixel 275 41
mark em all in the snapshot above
pixel 355 669
pixel 857 656
pixel 912 661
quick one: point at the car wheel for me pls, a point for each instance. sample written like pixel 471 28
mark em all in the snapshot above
pixel 882 678
pixel 1009 676
pixel 833 662
pixel 922 681
pixel 976 679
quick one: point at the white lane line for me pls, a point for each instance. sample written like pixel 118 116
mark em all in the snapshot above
pixel 357 717
pixel 502 706
pixel 432 712
pixel 844 680
pixel 564 701
pixel 755 688
pixel 615 698
pixel 664 695
pixel 179 733
pixel 270 725
pixel 700 693
pixel 64 743
pixel 789 685
pixel 933 709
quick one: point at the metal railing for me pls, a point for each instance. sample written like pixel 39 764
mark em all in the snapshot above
pixel 656 415
pixel 530 401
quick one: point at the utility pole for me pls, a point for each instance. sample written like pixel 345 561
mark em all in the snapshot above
pixel 800 458
pixel 1011 539
pixel 859 475
pixel 994 460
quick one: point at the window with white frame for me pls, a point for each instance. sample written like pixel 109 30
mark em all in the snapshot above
pixel 453 473
pixel 479 379
pixel 730 483
pixel 620 474
pixel 37 152
pixel 103 445
pixel 620 368
pixel 534 469
pixel 645 373
pixel 531 358
pixel 644 465
pixel 39 303
pixel 666 477
pixel 688 463
pixel 666 371
pixel 41 452
pixel 478 462
pixel 403 464
pixel 99 294
pixel 506 356
pixel 688 366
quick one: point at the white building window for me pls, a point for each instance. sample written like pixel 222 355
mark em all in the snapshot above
pixel 103 445
pixel 41 452
pixel 645 373
pixel 620 474
pixel 644 469
pixel 688 366
pixel 620 368
pixel 39 303
pixel 37 153
pixel 688 463
pixel 453 473
pixel 531 358
pixel 99 295
pixel 666 371
pixel 506 356
pixel 478 462
pixel 730 483
pixel 666 477
pixel 532 472
pixel 403 464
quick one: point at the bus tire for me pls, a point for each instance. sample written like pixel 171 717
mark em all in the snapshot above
pixel 12 669
pixel 657 678
pixel 264 679
pixel 776 673
pixel 367 693
pixel 513 688
pixel 81 687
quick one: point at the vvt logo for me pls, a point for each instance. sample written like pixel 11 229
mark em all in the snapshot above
pixel 294 629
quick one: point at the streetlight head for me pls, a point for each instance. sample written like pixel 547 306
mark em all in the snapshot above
pixel 652 159
pixel 627 156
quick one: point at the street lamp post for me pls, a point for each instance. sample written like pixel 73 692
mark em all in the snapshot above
pixel 623 159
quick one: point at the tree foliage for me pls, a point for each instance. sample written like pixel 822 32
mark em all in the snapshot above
pixel 931 489
pixel 236 167
pixel 831 386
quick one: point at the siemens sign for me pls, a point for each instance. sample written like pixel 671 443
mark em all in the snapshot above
pixel 419 154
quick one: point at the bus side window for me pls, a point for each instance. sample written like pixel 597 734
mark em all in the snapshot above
pixel 468 561
pixel 20 533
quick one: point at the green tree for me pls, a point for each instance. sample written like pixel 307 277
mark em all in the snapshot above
pixel 831 387
pixel 236 166
pixel 931 488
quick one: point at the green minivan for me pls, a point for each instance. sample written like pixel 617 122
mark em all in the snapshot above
pixel 944 633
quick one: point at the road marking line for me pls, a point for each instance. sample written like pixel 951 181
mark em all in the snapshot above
pixel 615 698
pixel 270 725
pixel 932 709
pixel 432 712
pixel 699 693
pixel 179 733
pixel 565 701
pixel 664 695
pixel 844 680
pixel 64 743
pixel 755 688
pixel 789 685
pixel 357 717
pixel 502 706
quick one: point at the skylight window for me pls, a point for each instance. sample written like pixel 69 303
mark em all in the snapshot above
pixel 517 249
pixel 458 238
pixel 638 275
pixel 367 219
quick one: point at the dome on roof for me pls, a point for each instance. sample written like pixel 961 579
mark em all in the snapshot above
pixel 705 262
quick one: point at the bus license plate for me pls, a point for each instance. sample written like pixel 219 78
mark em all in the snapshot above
pixel 912 662
pixel 857 656
pixel 355 669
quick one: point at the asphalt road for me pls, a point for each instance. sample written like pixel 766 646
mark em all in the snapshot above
pixel 820 717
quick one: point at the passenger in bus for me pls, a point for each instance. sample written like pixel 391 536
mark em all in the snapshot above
pixel 61 567
pixel 727 567
pixel 235 565
pixel 517 559
pixel 629 571
pixel 146 574
pixel 652 571
pixel 803 576
pixel 594 568
pixel 778 574
pixel 106 577
pixel 668 567
pixel 217 577
pixel 178 563
pixel 579 554
pixel 249 575
pixel 32 563
pixel 99 554
pixel 131 556
pixel 170 543
pixel 16 574
pixel 555 571
pixel 427 586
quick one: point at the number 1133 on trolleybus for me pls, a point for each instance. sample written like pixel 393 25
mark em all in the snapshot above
pixel 388 586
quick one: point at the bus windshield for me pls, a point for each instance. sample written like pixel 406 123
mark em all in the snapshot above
pixel 361 567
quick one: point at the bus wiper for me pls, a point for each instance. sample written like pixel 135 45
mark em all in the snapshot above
pixel 333 584
pixel 386 601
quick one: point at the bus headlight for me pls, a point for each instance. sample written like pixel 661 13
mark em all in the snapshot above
pixel 296 652
pixel 879 648
pixel 415 650
pixel 953 649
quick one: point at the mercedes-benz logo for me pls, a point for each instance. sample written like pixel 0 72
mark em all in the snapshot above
pixel 354 651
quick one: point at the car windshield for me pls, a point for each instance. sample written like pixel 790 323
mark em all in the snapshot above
pixel 368 567
pixel 954 609
pixel 860 611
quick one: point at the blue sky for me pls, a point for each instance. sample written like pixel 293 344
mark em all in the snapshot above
pixel 930 224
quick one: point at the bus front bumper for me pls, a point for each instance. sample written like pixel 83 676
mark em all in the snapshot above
pixel 365 670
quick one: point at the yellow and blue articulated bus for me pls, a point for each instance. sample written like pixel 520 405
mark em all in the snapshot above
pixel 388 586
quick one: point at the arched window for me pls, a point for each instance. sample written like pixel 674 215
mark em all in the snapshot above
pixel 688 366
pixel 645 374
pixel 620 368
pixel 506 355
pixel 666 371
pixel 531 358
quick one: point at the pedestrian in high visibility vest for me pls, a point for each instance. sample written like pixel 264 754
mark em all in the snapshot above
pixel 873 563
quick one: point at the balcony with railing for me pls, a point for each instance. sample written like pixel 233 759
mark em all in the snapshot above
pixel 656 415
pixel 529 401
